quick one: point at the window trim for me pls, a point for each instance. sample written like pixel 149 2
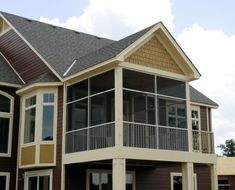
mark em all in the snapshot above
pixel 196 108
pixel 7 175
pixel 39 116
pixel 9 115
pixel 89 171
pixel 173 174
pixel 38 173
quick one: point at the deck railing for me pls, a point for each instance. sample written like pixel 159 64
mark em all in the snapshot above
pixel 138 135
pixel 90 138
pixel 203 141
pixel 156 137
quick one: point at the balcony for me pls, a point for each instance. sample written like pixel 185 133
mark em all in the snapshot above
pixel 138 135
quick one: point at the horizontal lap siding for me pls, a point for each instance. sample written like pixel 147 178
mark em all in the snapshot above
pixel 231 180
pixel 57 169
pixel 9 164
pixel 28 65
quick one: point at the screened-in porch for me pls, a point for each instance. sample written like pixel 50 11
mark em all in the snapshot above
pixel 154 113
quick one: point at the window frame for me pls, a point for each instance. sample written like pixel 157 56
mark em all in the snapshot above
pixel 8 115
pixel 39 116
pixel 196 108
pixel 178 174
pixel 7 175
pixel 38 173
pixel 89 171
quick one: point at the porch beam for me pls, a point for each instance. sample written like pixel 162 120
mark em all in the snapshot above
pixel 119 174
pixel 214 177
pixel 118 108
pixel 187 176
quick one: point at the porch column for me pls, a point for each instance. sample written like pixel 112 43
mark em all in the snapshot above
pixel 214 177
pixel 119 174
pixel 118 108
pixel 189 120
pixel 187 176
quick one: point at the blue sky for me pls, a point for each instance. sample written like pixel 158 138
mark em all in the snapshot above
pixel 204 29
pixel 211 14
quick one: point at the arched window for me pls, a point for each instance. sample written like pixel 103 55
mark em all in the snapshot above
pixel 6 116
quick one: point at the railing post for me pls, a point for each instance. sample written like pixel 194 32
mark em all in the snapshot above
pixel 118 107
pixel 189 121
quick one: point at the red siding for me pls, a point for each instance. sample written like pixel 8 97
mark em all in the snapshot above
pixel 28 65
pixel 9 164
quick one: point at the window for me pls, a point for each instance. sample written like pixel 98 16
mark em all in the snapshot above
pixel 38 180
pixel 223 185
pixel 91 102
pixel 6 117
pixel 39 118
pixel 4 180
pixel 195 114
pixel 30 116
pixel 176 181
pixel 48 117
pixel 102 180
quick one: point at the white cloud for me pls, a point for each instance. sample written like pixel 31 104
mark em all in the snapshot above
pixel 212 51
pixel 118 18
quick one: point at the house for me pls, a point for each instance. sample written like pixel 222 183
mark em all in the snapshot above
pixel 226 173
pixel 82 112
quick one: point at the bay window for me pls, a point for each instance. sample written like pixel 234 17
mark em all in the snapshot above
pixel 6 117
pixel 39 116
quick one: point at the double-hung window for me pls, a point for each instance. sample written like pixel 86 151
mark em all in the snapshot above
pixel 6 116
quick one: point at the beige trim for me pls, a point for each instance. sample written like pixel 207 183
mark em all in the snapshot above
pixel 10 85
pixel 12 68
pixel 138 154
pixel 93 69
pixel 187 176
pixel 205 105
pixel 189 120
pixel 34 86
pixel 38 173
pixel 7 175
pixel 118 107
pixel 32 48
pixel 173 174
pixel 119 174
pixel 10 116
pixel 214 177
pixel 152 71
pixel 38 142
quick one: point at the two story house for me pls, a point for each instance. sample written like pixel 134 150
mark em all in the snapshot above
pixel 83 112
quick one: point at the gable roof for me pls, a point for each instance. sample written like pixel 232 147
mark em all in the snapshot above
pixel 57 45
pixel 198 97
pixel 7 74
pixel 67 52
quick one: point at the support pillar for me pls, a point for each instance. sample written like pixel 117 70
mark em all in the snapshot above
pixel 187 176
pixel 119 174
pixel 214 177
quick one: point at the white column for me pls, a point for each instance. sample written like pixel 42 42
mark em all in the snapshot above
pixel 119 174
pixel 189 120
pixel 214 177
pixel 118 108
pixel 187 176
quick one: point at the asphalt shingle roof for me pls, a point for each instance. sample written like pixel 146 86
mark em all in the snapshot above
pixel 7 74
pixel 58 46
pixel 198 97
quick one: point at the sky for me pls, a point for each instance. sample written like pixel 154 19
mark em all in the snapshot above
pixel 205 30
